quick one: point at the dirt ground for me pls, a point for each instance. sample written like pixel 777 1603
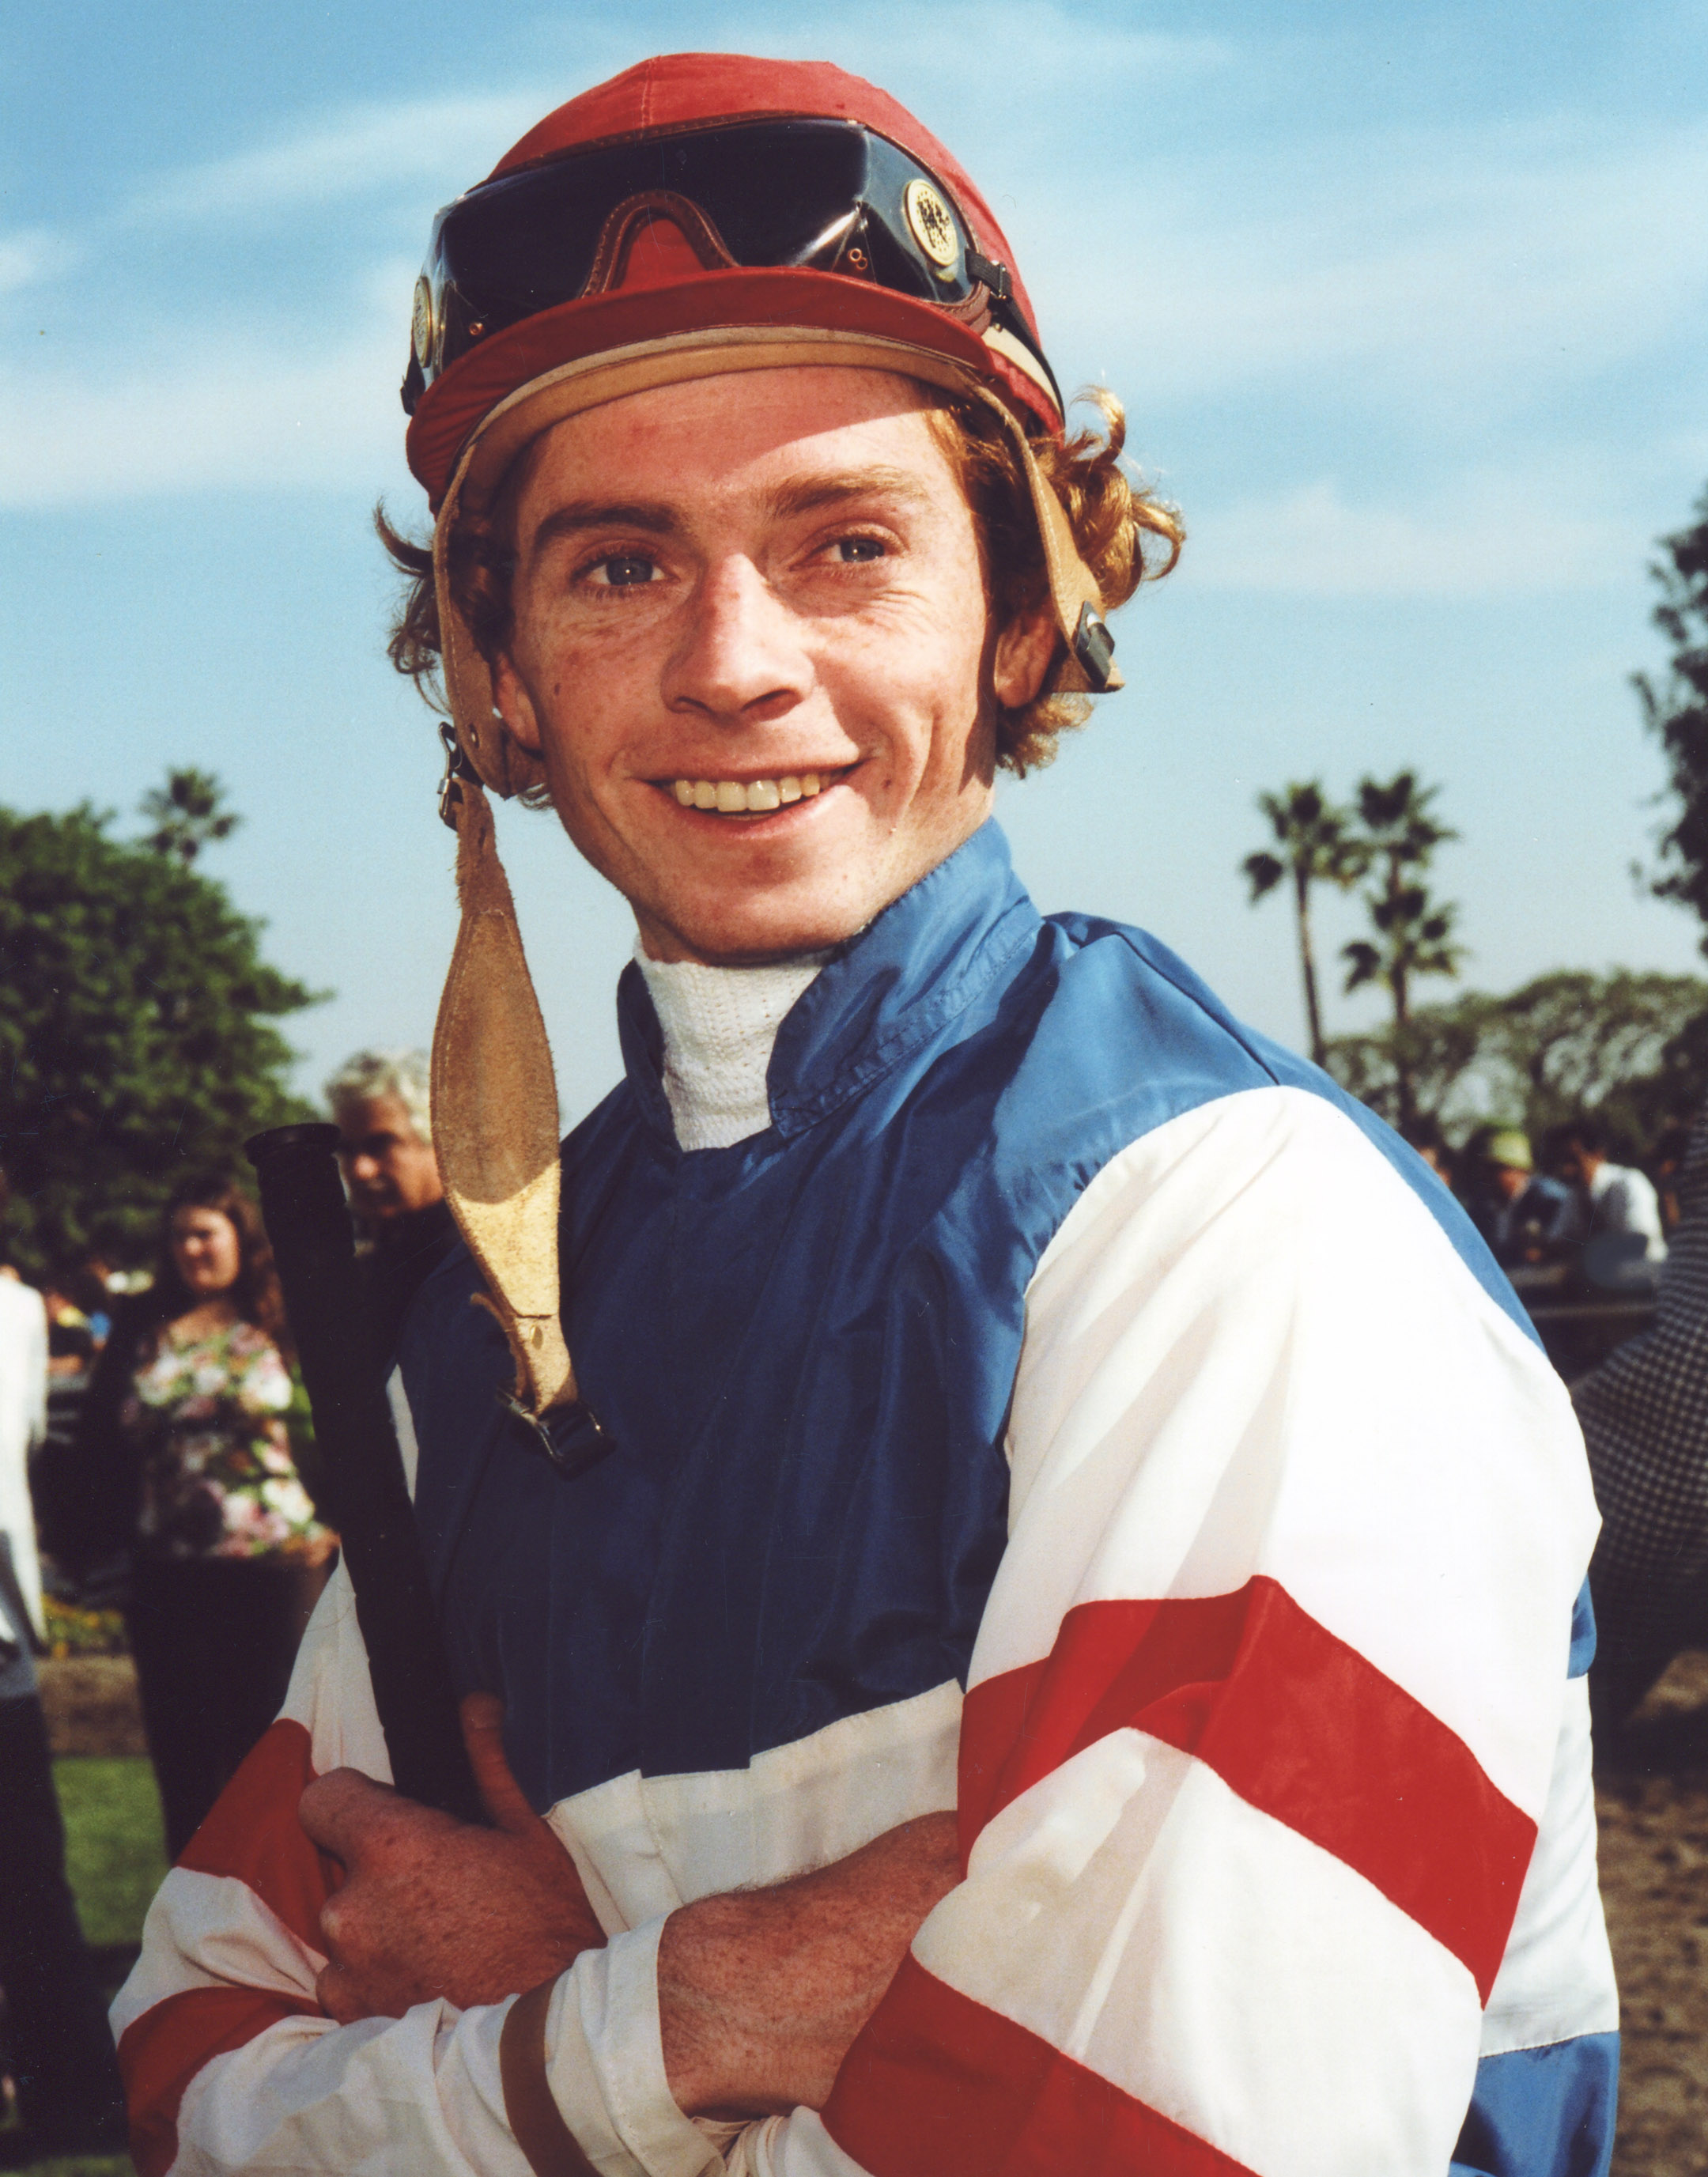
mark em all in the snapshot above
pixel 1651 1790
pixel 90 1702
pixel 1653 1794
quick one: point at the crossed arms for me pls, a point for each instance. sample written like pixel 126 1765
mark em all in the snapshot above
pixel 1267 1710
pixel 760 1993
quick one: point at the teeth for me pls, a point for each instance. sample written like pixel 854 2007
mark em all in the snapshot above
pixel 730 797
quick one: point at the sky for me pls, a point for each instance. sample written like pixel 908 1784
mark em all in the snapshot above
pixel 1407 306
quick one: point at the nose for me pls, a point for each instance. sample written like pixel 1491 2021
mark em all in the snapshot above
pixel 740 661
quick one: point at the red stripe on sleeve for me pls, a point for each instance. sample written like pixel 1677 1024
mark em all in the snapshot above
pixel 160 2053
pixel 936 2086
pixel 253 1834
pixel 1292 1719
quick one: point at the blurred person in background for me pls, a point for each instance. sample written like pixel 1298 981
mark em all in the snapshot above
pixel 183 1456
pixel 79 1315
pixel 1425 1136
pixel 24 1339
pixel 57 2048
pixel 1613 1197
pixel 1645 1416
pixel 379 1102
pixel 1532 1219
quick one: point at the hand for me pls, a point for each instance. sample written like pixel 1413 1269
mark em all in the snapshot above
pixel 432 1906
pixel 761 1993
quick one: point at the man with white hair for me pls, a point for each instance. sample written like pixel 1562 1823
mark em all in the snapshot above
pixel 380 1102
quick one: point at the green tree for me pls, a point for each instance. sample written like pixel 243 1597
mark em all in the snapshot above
pixel 1633 1046
pixel 188 814
pixel 1446 1052
pixel 136 1034
pixel 1316 847
pixel 1414 931
pixel 1675 709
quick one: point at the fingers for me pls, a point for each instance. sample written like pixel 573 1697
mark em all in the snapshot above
pixel 340 1810
pixel 482 1733
pixel 339 1995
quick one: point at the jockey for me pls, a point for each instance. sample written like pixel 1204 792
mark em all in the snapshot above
pixel 1016 1571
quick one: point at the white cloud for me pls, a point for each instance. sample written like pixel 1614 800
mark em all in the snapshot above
pixel 996 63
pixel 445 142
pixel 32 255
pixel 1489 535
pixel 1424 266
pixel 244 413
pixel 1019 52
pixel 1458 279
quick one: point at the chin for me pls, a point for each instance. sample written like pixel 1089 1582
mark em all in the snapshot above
pixel 744 940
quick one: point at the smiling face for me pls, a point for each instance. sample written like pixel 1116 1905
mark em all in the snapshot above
pixel 751 647
pixel 206 1250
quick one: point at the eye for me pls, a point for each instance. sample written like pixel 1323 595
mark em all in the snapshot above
pixel 857 551
pixel 622 570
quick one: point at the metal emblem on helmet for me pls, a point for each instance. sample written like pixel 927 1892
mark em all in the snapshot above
pixel 933 225
pixel 421 322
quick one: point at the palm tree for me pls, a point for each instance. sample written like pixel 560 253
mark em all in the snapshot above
pixel 1317 847
pixel 187 813
pixel 1414 932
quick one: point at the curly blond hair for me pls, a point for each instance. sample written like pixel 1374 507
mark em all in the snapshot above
pixel 1125 533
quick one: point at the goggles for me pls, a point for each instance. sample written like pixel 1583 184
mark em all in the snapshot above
pixel 824 195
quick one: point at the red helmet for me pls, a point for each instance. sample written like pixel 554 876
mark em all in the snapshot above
pixel 701 214
pixel 702 196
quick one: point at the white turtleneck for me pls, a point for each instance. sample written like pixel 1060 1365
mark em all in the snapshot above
pixel 719 1026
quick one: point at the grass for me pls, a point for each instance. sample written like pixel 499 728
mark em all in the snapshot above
pixel 114 1849
pixel 80 2165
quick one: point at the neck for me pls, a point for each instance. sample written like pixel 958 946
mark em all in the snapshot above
pixel 211 1314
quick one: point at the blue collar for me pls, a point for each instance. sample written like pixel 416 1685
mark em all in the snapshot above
pixel 907 974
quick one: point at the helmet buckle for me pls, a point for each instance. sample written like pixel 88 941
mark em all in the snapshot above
pixel 457 770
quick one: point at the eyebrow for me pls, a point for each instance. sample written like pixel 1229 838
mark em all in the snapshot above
pixel 814 493
pixel 654 518
pixel 576 515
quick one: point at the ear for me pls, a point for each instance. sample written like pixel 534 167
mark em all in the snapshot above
pixel 515 705
pixel 1024 650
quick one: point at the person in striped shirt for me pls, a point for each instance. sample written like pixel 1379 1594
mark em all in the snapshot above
pixel 1065 1654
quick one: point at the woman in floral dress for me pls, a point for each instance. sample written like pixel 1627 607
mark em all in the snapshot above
pixel 228 1553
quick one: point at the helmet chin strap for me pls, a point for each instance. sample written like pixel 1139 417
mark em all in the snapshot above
pixel 495 1113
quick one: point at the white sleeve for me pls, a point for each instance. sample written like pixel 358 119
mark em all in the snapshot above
pixel 1266 1702
pixel 1640 1211
pixel 230 2064
pixel 36 1372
